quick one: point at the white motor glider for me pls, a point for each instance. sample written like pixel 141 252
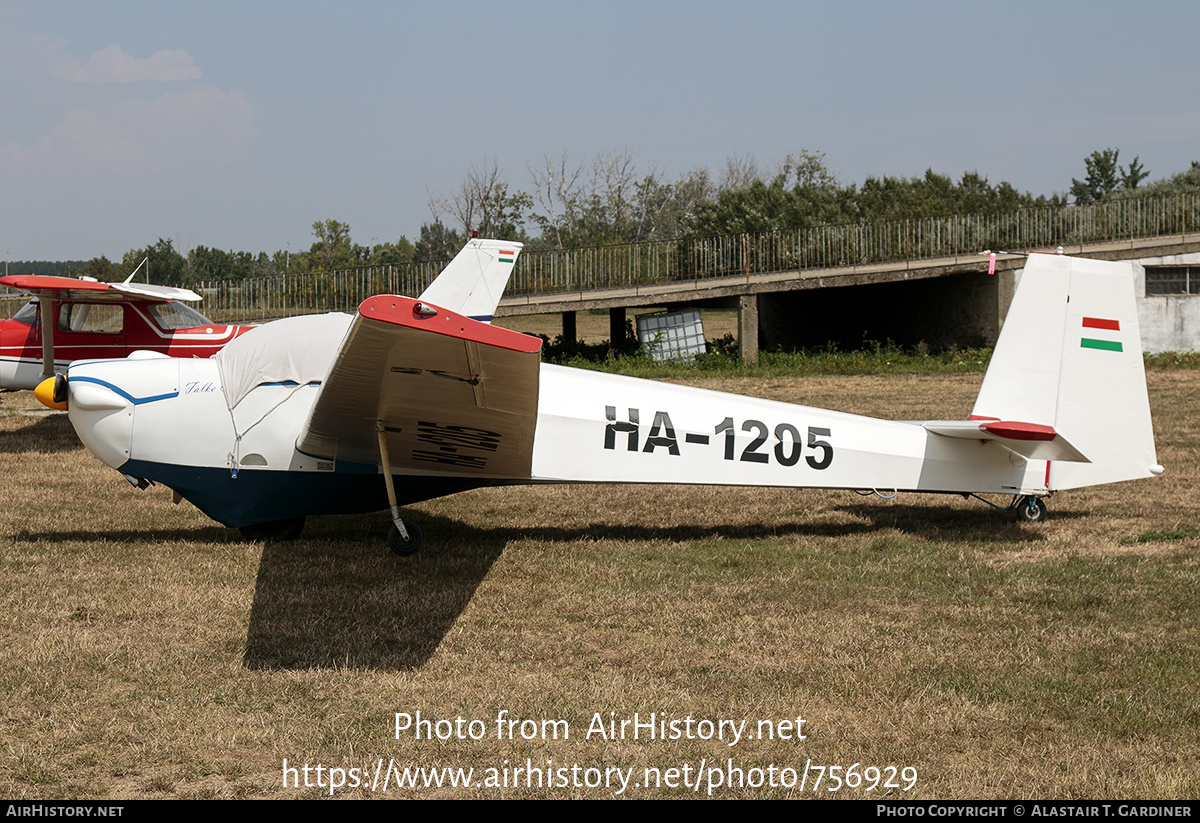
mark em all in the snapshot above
pixel 411 399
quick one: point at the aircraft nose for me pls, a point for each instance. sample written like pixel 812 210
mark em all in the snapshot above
pixel 102 416
pixel 52 392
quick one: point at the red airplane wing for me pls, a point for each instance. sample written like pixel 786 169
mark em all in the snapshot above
pixel 69 288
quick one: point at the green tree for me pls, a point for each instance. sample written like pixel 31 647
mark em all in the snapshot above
pixel 615 204
pixel 1103 177
pixel 935 195
pixel 100 268
pixel 483 205
pixel 804 192
pixel 332 249
pixel 1180 183
pixel 436 242
pixel 391 254
pixel 1107 178
pixel 208 264
pixel 164 265
pixel 1133 175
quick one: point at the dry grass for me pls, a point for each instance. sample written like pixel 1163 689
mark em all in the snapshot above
pixel 147 652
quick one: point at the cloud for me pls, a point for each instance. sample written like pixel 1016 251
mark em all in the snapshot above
pixel 112 65
pixel 204 126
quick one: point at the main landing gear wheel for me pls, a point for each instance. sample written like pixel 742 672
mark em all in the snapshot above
pixel 403 547
pixel 1030 509
pixel 275 531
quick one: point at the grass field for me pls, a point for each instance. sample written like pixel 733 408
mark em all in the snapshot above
pixel 148 652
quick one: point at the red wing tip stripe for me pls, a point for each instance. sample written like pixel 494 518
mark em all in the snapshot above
pixel 1101 323
pixel 981 417
pixel 1013 430
pixel 400 311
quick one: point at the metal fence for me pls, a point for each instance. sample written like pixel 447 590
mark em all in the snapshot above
pixel 832 247
pixel 283 295
pixel 822 247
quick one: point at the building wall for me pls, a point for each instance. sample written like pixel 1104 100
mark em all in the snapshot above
pixel 1169 322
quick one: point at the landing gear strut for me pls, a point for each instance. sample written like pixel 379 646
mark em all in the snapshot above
pixel 403 538
pixel 1029 509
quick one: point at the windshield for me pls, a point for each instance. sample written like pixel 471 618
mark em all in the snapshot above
pixel 171 316
pixel 28 314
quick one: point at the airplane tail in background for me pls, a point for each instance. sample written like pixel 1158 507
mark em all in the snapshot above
pixel 475 279
pixel 1068 366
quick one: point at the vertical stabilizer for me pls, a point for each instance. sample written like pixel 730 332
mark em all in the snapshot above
pixel 1070 357
pixel 475 279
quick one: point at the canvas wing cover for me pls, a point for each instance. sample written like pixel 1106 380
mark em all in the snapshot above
pixel 454 396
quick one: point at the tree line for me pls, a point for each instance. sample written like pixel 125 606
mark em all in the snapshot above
pixel 609 200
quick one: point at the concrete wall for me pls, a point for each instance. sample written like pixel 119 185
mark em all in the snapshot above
pixel 1169 322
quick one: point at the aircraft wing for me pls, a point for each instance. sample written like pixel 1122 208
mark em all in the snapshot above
pixel 1030 440
pixel 69 288
pixel 454 396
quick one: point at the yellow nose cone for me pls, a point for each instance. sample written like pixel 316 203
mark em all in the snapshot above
pixel 45 394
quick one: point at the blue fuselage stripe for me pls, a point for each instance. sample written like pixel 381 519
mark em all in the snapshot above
pixel 134 400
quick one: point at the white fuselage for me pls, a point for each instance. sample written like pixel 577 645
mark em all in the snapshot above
pixel 167 420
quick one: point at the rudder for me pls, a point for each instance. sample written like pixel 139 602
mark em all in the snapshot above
pixel 473 283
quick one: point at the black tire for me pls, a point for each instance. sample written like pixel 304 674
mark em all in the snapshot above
pixel 274 531
pixel 1030 509
pixel 399 546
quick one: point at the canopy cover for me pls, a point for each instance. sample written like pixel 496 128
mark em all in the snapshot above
pixel 293 350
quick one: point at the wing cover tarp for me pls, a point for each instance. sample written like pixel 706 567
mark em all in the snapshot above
pixel 454 396
pixel 293 350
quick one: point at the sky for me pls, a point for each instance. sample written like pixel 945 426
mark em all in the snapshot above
pixel 238 125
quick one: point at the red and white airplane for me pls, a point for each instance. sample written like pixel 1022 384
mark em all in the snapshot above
pixel 412 399
pixel 71 319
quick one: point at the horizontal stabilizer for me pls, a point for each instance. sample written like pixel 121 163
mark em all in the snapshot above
pixel 1030 440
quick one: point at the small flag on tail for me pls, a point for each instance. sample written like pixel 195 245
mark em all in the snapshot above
pixel 1101 324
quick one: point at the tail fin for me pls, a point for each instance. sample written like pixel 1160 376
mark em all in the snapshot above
pixel 1070 358
pixel 475 279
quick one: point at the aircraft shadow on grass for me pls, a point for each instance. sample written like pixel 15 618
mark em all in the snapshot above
pixel 927 520
pixel 342 603
pixel 336 600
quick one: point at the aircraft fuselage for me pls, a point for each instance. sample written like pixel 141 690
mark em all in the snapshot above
pixel 167 420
